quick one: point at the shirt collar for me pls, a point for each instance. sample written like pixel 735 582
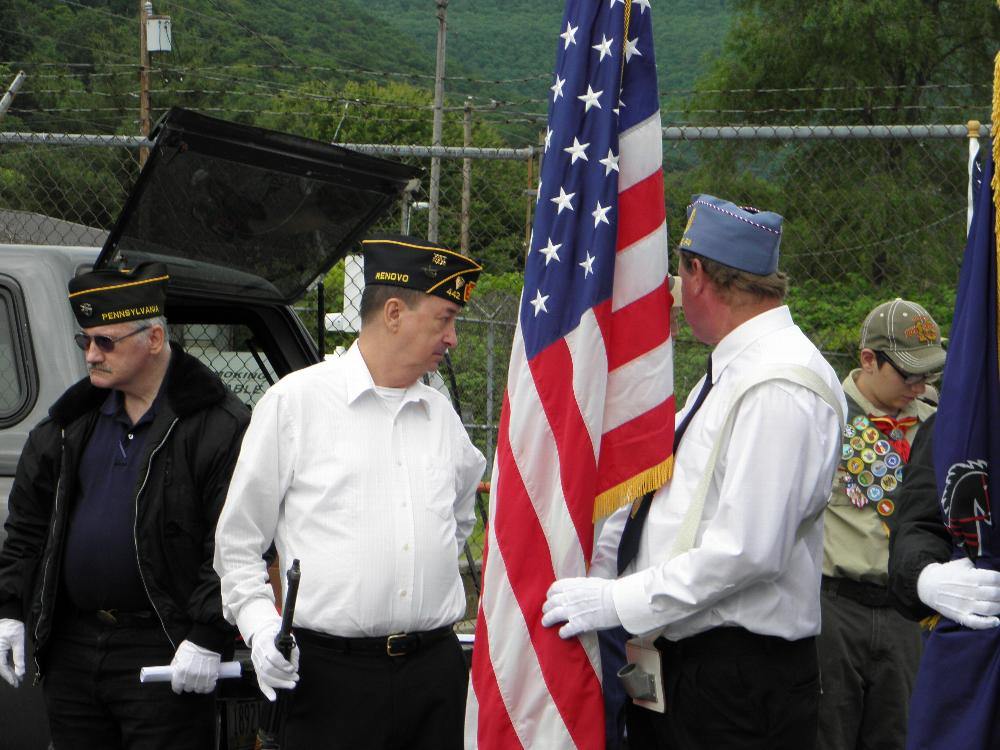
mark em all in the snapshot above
pixel 114 407
pixel 737 340
pixel 359 381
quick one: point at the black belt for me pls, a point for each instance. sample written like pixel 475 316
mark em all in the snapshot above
pixel 725 642
pixel 114 618
pixel 869 594
pixel 397 644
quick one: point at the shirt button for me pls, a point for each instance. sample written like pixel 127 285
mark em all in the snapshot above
pixel 406 547
pixel 402 594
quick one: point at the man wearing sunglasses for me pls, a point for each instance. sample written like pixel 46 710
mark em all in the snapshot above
pixel 868 652
pixel 108 556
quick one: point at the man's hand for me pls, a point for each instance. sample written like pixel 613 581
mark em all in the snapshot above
pixel 962 592
pixel 194 669
pixel 584 604
pixel 12 651
pixel 273 669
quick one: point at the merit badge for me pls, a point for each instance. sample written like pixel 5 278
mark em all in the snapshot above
pixel 892 460
pixel 889 483
pixel 855 495
pixel 868 455
pixel 879 469
pixel 882 447
pixel 865 479
pixel 874 493
pixel 846 451
pixel 895 433
pixel 886 507
pixel 861 422
pixel 870 434
pixel 849 431
pixel 858 443
pixel 855 465
pixel 898 473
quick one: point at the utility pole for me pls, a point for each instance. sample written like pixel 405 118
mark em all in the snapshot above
pixel 145 11
pixel 11 92
pixel 432 220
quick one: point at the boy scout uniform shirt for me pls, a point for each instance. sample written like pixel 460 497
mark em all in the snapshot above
pixel 856 540
pixel 755 561
pixel 375 500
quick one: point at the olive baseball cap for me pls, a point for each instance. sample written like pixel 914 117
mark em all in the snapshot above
pixel 907 334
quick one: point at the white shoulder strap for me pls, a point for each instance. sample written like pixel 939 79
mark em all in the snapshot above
pixel 793 373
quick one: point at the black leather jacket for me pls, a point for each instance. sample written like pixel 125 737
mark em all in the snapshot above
pixel 190 453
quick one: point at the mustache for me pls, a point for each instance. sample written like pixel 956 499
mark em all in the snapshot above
pixel 98 369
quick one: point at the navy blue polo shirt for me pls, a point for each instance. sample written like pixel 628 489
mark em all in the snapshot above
pixel 100 569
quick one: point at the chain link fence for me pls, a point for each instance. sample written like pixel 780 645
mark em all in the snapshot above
pixel 871 213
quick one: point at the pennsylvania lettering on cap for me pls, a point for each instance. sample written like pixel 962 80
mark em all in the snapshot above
pixel 119 295
pixel 413 263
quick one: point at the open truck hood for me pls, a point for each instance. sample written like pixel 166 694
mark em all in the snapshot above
pixel 239 212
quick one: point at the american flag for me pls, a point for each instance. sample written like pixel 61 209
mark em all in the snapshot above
pixel 588 417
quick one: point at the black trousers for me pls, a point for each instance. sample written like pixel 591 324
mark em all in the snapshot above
pixel 95 701
pixel 729 688
pixel 368 700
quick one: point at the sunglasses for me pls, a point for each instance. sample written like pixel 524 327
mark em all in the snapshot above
pixel 908 378
pixel 104 343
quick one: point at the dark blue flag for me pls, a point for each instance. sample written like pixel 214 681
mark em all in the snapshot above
pixel 957 693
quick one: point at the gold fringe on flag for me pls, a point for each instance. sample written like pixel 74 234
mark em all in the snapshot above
pixel 632 489
pixel 995 182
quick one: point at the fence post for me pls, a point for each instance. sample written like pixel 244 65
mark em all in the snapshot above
pixel 466 175
pixel 432 220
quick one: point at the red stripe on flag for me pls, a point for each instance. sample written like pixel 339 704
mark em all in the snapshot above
pixel 638 442
pixel 567 671
pixel 641 210
pixel 639 327
pixel 494 726
pixel 552 371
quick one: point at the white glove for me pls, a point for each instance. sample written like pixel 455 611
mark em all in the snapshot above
pixel 273 669
pixel 194 669
pixel 962 592
pixel 584 604
pixel 12 651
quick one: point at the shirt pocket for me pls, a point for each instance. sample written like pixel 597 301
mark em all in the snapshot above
pixel 437 485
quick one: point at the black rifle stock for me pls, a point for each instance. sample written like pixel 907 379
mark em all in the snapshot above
pixel 284 641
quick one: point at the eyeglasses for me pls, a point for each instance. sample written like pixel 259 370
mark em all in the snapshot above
pixel 908 378
pixel 104 343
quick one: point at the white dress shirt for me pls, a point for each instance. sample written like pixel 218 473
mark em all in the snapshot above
pixel 759 548
pixel 374 497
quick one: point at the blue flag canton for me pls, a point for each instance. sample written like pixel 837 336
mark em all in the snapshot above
pixel 570 266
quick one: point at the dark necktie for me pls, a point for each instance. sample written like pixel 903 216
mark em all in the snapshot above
pixel 628 547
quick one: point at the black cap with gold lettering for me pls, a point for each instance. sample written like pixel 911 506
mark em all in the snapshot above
pixel 110 295
pixel 413 263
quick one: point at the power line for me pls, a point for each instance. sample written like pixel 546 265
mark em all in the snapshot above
pixel 97 10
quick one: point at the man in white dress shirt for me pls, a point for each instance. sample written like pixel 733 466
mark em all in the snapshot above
pixel 722 576
pixel 368 477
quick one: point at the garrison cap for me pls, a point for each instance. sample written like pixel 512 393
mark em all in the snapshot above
pixel 413 263
pixel 112 295
pixel 907 334
pixel 737 236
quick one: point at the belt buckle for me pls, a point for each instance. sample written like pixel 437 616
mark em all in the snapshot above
pixel 389 649
pixel 107 616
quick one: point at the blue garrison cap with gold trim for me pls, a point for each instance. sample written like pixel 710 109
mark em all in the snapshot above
pixel 736 236
pixel 413 263
pixel 112 295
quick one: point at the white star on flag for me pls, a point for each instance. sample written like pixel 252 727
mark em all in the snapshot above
pixel 643 5
pixel 548 138
pixel 556 88
pixel 577 151
pixel 539 302
pixel 564 200
pixel 590 99
pixel 610 163
pixel 604 47
pixel 569 36
pixel 600 214
pixel 632 48
pixel 587 265
pixel 550 251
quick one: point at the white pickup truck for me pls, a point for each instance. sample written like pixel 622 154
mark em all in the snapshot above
pixel 245 219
